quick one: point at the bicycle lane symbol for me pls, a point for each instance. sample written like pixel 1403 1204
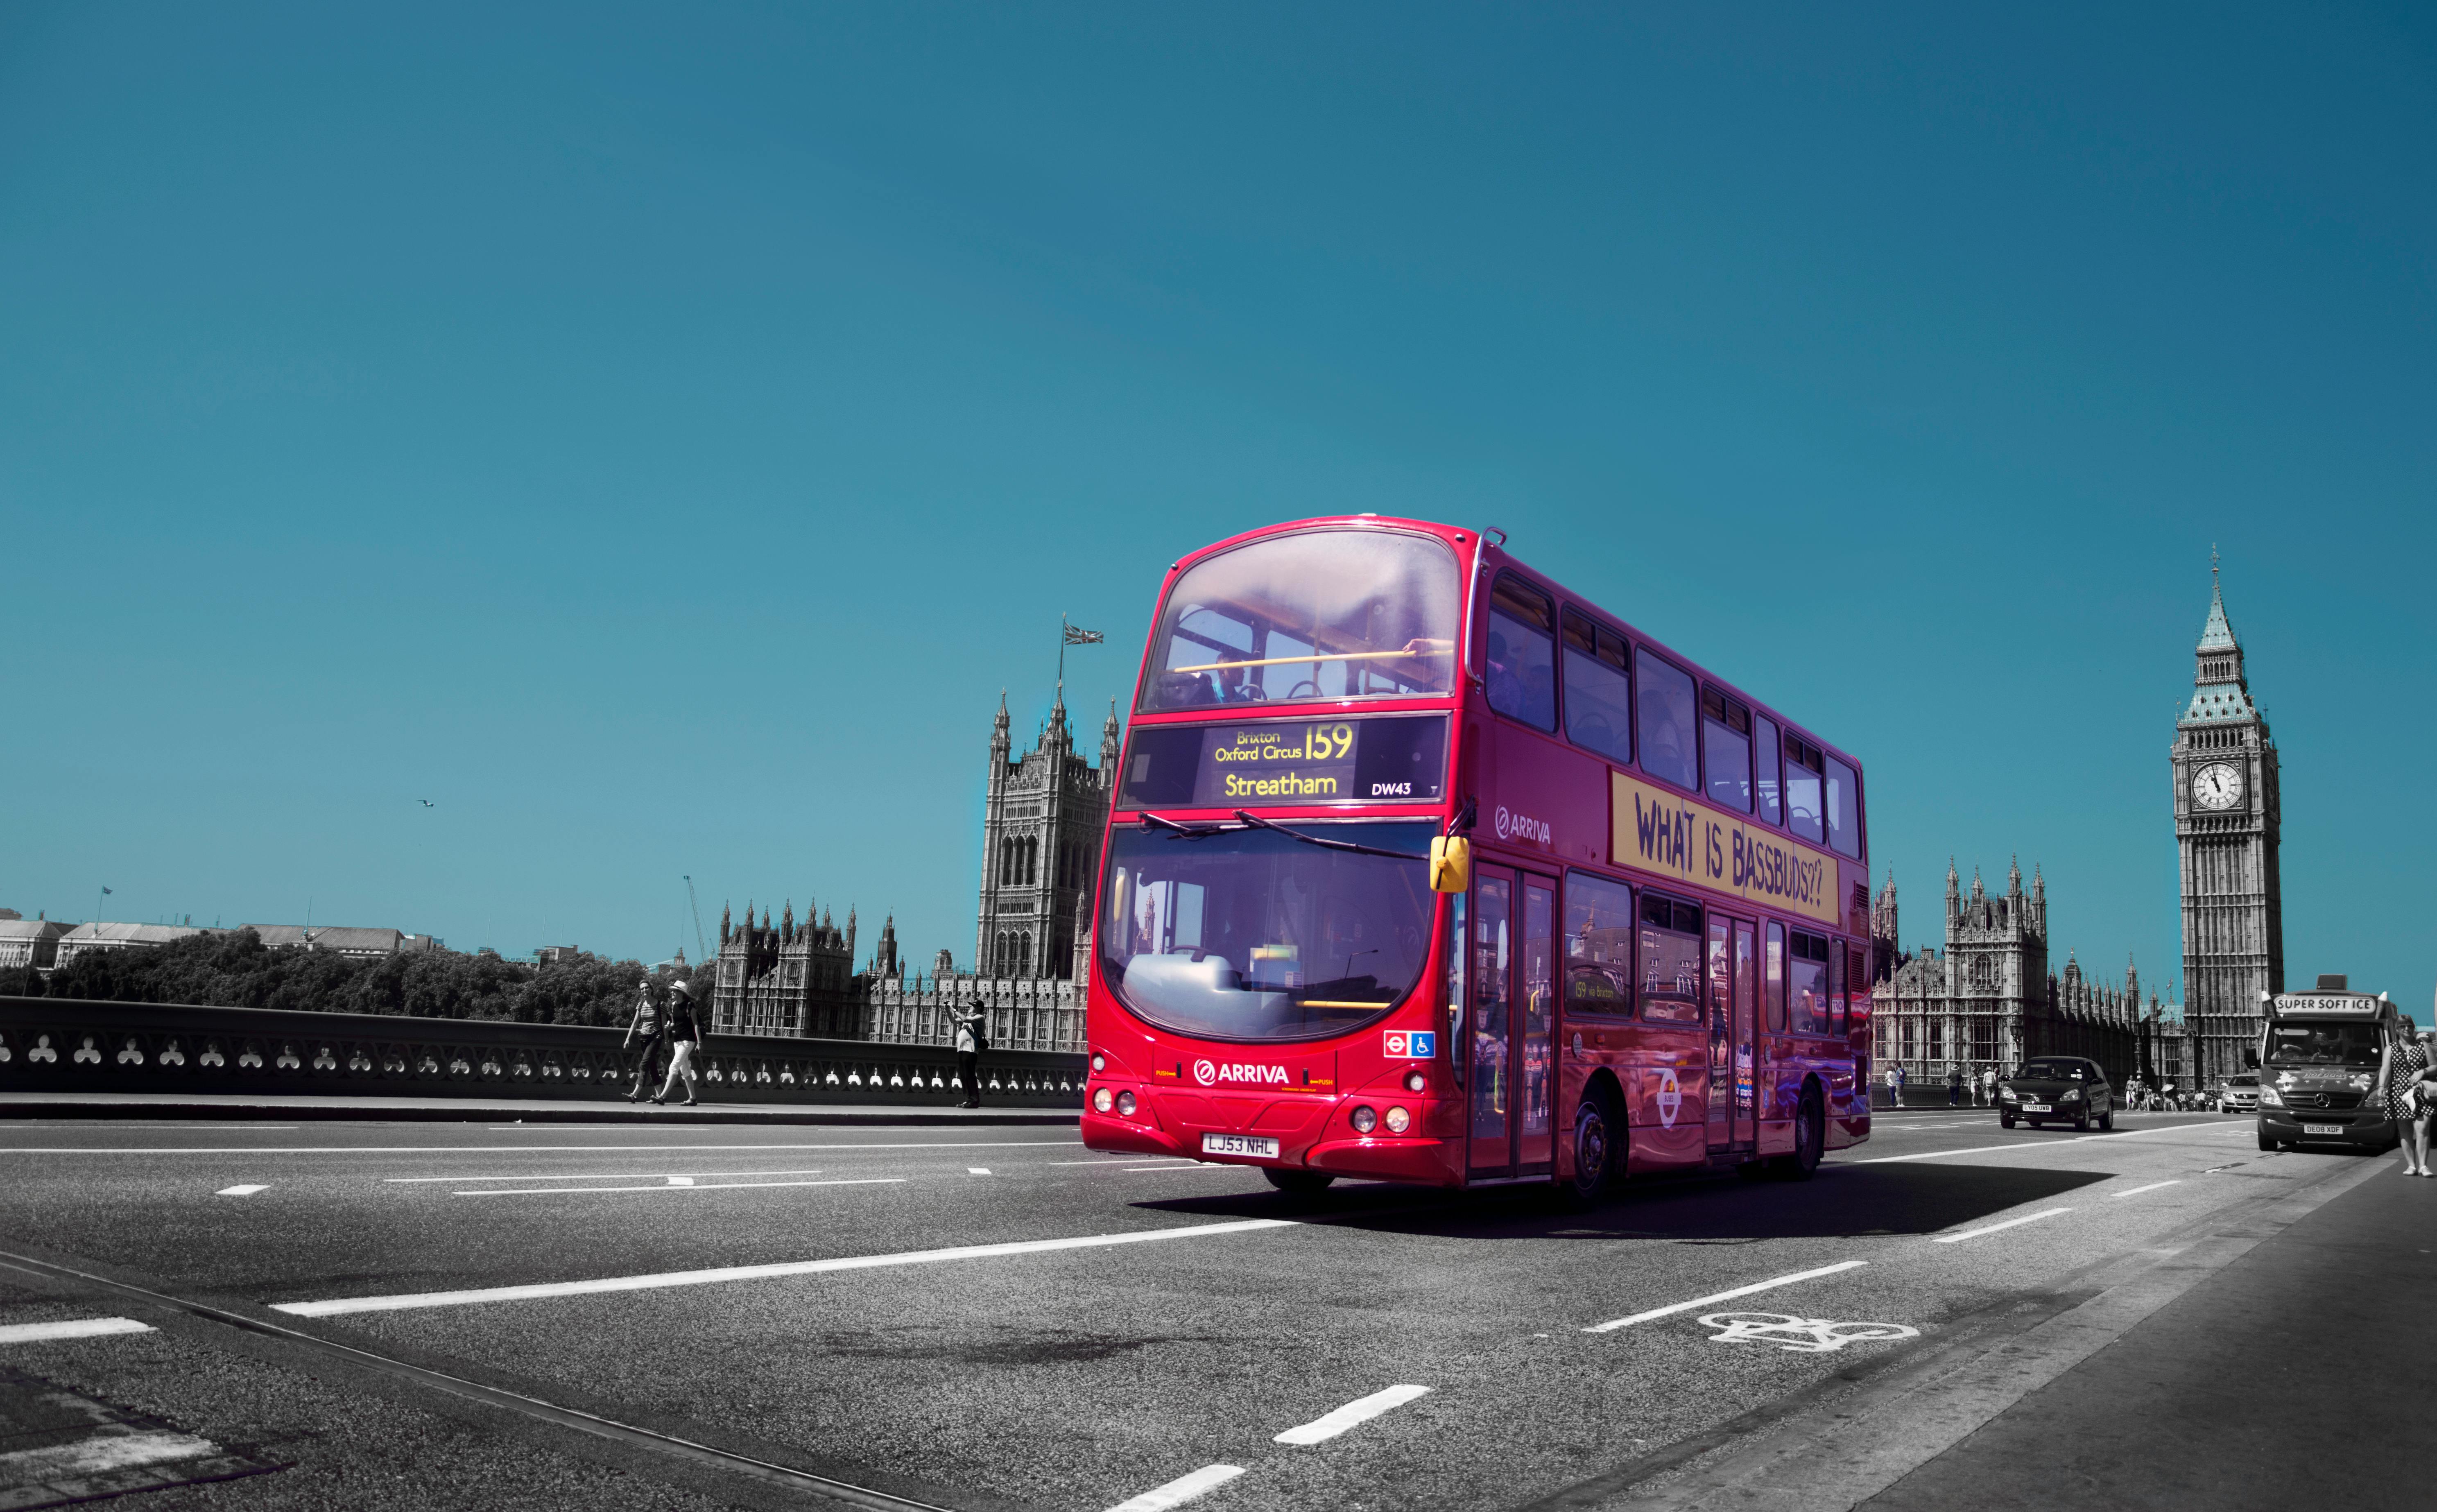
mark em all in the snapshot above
pixel 1816 1336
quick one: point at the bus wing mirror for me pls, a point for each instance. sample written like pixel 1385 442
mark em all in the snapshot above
pixel 1451 864
pixel 2250 1059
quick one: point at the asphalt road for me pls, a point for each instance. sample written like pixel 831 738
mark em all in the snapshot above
pixel 1119 1325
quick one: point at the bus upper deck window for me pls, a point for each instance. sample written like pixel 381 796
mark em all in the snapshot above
pixel 1664 717
pixel 1765 780
pixel 1523 664
pixel 1725 750
pixel 1311 614
pixel 1599 690
pixel 1843 810
pixel 1803 764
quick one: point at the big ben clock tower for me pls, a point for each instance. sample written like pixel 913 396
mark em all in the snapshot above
pixel 2225 828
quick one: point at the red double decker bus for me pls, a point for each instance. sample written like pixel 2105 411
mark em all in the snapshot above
pixel 1422 869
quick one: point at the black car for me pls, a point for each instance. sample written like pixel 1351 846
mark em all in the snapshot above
pixel 2056 1089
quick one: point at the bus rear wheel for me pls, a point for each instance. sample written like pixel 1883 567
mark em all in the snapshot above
pixel 1810 1136
pixel 1297 1183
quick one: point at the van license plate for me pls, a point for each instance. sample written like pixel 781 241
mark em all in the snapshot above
pixel 1215 1144
pixel 2325 1129
pixel 2037 1107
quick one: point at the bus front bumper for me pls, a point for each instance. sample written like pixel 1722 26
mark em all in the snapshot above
pixel 1375 1158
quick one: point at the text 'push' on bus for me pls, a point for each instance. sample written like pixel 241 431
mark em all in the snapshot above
pixel 1422 869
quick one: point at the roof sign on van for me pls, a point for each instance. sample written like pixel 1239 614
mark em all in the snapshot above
pixel 2328 1005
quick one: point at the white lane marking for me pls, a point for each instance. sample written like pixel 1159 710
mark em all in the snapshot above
pixel 2020 1145
pixel 753 1272
pixel 72 1329
pixel 493 1150
pixel 102 1454
pixel 242 1191
pixel 2152 1186
pixel 675 1184
pixel 2011 1223
pixel 601 1175
pixel 1361 1410
pixel 1724 1296
pixel 977 1170
pixel 1184 1165
pixel 1180 1491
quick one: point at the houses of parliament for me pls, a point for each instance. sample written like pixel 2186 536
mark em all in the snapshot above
pixel 1989 998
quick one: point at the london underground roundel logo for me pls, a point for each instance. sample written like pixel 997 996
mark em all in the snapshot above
pixel 1205 1073
pixel 1671 1098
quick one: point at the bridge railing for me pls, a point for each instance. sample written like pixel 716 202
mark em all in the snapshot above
pixel 59 1044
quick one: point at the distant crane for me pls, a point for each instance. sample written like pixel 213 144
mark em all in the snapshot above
pixel 702 947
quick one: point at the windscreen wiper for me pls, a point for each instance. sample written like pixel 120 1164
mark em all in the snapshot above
pixel 1333 845
pixel 1191 832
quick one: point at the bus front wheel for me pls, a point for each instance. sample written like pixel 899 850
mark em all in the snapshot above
pixel 1599 1146
pixel 1298 1182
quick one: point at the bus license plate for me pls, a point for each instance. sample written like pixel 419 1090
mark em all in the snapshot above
pixel 2323 1129
pixel 2037 1107
pixel 1216 1144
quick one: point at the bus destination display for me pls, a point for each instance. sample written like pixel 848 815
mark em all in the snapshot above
pixel 1278 763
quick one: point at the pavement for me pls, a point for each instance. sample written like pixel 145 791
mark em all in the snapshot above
pixel 399 1314
pixel 243 1107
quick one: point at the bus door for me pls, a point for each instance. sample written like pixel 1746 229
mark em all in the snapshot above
pixel 1734 1039
pixel 1512 1096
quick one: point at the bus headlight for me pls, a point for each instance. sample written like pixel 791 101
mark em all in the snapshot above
pixel 1099 1062
pixel 1365 1120
pixel 2270 1097
pixel 1399 1120
pixel 1415 1082
pixel 1101 1099
pixel 1126 1104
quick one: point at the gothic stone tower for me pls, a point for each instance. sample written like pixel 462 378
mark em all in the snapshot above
pixel 1043 814
pixel 2226 829
pixel 1997 955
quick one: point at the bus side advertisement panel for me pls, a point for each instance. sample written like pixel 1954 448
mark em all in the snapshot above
pixel 1664 831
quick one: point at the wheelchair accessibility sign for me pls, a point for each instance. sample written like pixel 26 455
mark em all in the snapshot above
pixel 1412 1044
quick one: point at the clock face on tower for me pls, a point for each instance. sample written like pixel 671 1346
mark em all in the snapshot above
pixel 2217 785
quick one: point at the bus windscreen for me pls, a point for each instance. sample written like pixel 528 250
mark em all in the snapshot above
pixel 1254 934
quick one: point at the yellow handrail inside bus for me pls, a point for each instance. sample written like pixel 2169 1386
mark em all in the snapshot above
pixel 1322 1002
pixel 1318 655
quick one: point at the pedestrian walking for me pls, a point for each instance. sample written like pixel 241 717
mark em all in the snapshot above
pixel 971 1043
pixel 685 1042
pixel 1988 1087
pixel 1904 1080
pixel 1895 1087
pixel 1954 1086
pixel 2399 1070
pixel 648 1029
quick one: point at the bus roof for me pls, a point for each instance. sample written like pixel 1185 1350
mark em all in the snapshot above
pixel 1496 557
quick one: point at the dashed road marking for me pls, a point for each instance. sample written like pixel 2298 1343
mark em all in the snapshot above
pixel 1180 1491
pixel 2152 1186
pixel 242 1191
pixel 334 1306
pixel 595 1175
pixel 1991 1228
pixel 1361 1410
pixel 977 1170
pixel 70 1329
pixel 2020 1145
pixel 675 1184
pixel 1724 1296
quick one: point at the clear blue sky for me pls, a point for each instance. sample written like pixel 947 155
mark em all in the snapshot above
pixel 655 434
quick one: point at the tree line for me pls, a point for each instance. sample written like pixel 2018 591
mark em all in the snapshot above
pixel 237 970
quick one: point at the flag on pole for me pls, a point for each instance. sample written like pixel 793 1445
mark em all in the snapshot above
pixel 1077 635
pixel 105 892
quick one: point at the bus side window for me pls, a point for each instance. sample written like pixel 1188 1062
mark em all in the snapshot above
pixel 1522 664
pixel 1764 769
pixel 1598 692
pixel 1669 960
pixel 1725 750
pixel 1777 977
pixel 1599 945
pixel 1843 810
pixel 1664 715
pixel 1807 982
pixel 1802 768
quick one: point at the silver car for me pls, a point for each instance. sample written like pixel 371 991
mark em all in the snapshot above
pixel 2240 1094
